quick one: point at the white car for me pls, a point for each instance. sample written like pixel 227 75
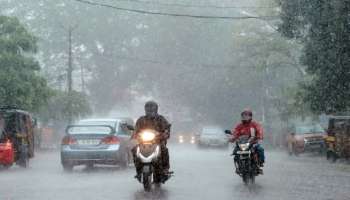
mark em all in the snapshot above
pixel 212 136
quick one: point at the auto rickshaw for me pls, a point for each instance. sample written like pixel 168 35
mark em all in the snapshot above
pixel 16 137
pixel 338 138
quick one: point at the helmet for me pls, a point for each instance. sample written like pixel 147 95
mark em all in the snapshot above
pixel 247 115
pixel 151 109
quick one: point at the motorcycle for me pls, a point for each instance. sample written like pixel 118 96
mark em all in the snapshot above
pixel 247 162
pixel 148 152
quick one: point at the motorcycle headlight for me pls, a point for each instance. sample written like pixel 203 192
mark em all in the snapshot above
pixel 244 147
pixel 147 136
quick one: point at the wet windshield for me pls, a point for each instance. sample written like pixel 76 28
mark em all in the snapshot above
pixel 309 129
pixel 212 131
pixel 90 129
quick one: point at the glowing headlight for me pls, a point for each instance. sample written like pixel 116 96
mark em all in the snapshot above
pixel 147 136
pixel 244 147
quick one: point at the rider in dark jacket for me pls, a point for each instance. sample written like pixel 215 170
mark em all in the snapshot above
pixel 152 120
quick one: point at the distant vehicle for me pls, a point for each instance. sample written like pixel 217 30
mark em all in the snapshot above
pixel 96 141
pixel 212 136
pixel 186 138
pixel 309 137
pixel 338 138
pixel 16 137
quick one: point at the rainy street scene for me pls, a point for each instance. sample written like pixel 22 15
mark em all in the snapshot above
pixel 175 99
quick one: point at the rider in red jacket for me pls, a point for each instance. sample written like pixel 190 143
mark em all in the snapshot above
pixel 252 129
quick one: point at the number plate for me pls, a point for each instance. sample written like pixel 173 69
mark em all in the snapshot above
pixel 88 142
pixel 146 169
pixel 243 152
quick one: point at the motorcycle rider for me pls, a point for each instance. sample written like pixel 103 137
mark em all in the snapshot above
pixel 252 129
pixel 152 120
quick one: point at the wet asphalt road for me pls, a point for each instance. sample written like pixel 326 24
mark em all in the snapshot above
pixel 199 174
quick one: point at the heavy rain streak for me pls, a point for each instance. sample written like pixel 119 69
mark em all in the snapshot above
pixel 174 99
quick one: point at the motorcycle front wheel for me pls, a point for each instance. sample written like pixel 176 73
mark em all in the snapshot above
pixel 147 181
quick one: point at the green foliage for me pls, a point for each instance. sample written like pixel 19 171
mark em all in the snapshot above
pixel 20 83
pixel 324 28
pixel 61 105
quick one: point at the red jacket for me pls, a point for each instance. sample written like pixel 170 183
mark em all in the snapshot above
pixel 252 129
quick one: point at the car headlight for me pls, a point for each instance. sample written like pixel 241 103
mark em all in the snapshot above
pixel 244 147
pixel 147 136
pixel 181 139
pixel 192 139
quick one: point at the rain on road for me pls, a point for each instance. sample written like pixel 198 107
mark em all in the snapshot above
pixel 199 174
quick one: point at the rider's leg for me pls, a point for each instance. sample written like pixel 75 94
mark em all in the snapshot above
pixel 165 158
pixel 137 164
pixel 235 158
pixel 261 154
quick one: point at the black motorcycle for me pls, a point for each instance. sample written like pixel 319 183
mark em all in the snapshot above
pixel 247 162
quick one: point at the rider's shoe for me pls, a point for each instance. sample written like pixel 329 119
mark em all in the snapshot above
pixel 138 177
pixel 260 171
pixel 237 171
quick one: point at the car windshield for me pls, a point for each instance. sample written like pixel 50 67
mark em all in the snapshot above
pixel 108 123
pixel 89 129
pixel 309 129
pixel 211 131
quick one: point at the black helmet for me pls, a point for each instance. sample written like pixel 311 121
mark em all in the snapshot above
pixel 151 108
pixel 247 115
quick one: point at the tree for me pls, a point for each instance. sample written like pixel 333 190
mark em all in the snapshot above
pixel 20 82
pixel 61 105
pixel 324 28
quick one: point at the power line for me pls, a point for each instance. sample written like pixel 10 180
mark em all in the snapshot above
pixel 157 3
pixel 173 14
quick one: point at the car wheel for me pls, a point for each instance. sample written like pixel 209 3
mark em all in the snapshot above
pixel 7 166
pixel 124 162
pixel 67 167
pixel 90 165
pixel 331 156
pixel 23 161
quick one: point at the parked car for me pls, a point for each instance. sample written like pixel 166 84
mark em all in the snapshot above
pixel 96 141
pixel 212 136
pixel 305 137
pixel 338 138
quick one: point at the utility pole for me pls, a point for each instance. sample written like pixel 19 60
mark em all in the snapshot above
pixel 70 73
pixel 82 79
pixel 70 67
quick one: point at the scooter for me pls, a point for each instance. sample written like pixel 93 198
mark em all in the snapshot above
pixel 148 152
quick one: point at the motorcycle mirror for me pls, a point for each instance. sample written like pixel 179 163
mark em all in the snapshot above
pixel 130 127
pixel 228 132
